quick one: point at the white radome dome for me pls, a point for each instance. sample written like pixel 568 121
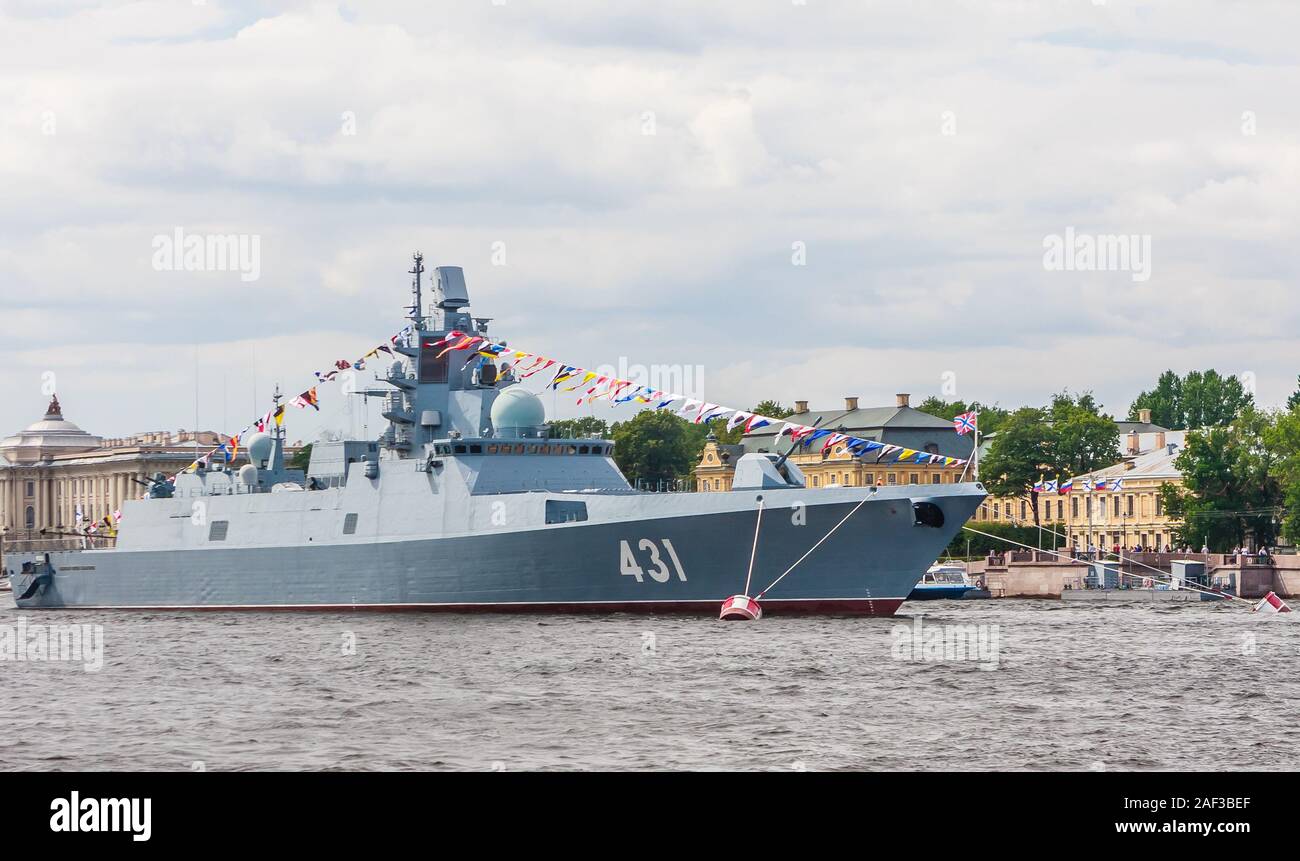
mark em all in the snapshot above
pixel 259 447
pixel 515 410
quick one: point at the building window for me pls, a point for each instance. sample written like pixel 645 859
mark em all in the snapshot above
pixel 1024 509
pixel 936 478
pixel 1074 506
pixel 31 517
pixel 996 510
pixel 914 479
pixel 31 488
pixel 1130 505
pixel 1160 510
pixel 1060 509
pixel 931 448
pixel 815 480
pixel 893 479
pixel 1117 506
pixel 871 478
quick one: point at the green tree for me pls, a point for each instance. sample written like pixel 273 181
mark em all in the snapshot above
pixel 1023 449
pixel 657 445
pixel 1284 440
pixel 1202 399
pixel 971 545
pixel 1164 401
pixel 937 406
pixel 1083 438
pixel 301 458
pixel 1294 401
pixel 1232 486
pixel 579 428
pixel 772 409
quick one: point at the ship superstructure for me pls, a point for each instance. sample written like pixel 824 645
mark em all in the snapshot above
pixel 465 502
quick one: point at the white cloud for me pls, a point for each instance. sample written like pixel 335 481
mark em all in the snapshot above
pixel 773 123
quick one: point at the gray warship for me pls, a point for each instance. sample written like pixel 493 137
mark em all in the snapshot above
pixel 466 503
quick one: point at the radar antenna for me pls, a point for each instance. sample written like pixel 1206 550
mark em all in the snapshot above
pixel 417 301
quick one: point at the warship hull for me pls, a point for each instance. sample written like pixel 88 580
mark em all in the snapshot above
pixel 686 563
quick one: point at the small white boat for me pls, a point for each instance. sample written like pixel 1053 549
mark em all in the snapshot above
pixel 943 580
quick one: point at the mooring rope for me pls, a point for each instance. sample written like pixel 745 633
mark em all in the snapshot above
pixel 1121 572
pixel 811 549
pixel 754 552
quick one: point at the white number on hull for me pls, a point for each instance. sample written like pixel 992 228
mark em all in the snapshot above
pixel 659 571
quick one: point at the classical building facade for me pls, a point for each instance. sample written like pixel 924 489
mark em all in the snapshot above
pixel 52 469
pixel 1133 516
pixel 899 424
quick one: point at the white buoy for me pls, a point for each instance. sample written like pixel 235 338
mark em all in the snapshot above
pixel 740 608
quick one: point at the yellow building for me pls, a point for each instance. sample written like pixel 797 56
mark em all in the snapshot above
pixel 52 469
pixel 835 467
pixel 1055 511
pixel 1133 516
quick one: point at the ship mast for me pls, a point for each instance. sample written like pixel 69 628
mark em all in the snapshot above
pixel 277 433
pixel 417 300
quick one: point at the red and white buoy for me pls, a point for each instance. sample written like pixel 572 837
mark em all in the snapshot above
pixel 740 608
pixel 1270 604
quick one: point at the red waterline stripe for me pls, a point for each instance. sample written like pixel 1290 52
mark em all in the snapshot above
pixel 787 606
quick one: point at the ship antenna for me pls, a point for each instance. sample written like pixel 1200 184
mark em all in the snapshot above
pixel 417 300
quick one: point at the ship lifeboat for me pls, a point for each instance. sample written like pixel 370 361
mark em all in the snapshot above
pixel 740 608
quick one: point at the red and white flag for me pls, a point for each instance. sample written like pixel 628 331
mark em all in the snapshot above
pixel 965 423
pixel 1272 604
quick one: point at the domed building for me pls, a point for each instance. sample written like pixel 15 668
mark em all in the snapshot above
pixel 50 436
pixel 52 470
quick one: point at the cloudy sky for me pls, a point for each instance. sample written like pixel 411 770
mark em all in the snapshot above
pixel 805 199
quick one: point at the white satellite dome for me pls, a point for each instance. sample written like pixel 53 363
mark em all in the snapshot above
pixel 517 412
pixel 259 447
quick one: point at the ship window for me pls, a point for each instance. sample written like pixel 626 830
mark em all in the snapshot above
pixel 573 449
pixel 561 511
pixel 350 524
pixel 582 449
pixel 476 449
pixel 217 530
pixel 432 368
pixel 492 448
pixel 459 449
pixel 519 448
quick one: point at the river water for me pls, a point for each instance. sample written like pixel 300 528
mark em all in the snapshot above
pixel 1058 686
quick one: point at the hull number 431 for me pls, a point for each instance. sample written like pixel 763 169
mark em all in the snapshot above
pixel 630 565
